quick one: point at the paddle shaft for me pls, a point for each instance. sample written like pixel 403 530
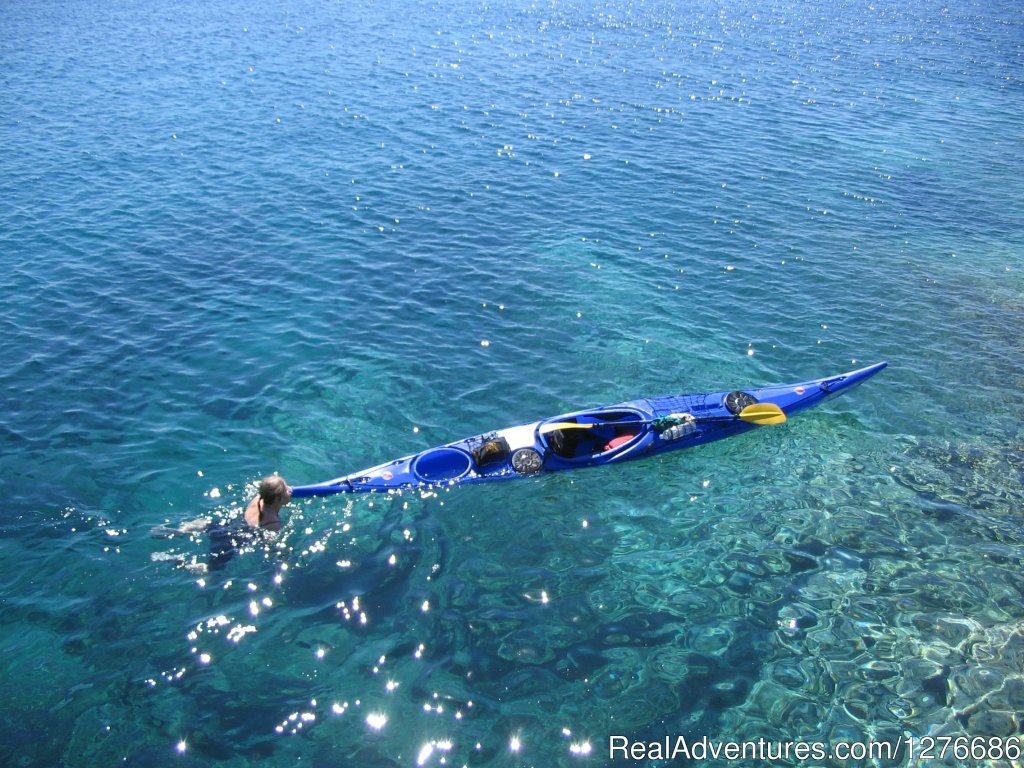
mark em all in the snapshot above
pixel 757 413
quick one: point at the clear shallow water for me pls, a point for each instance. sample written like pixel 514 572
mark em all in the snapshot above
pixel 246 238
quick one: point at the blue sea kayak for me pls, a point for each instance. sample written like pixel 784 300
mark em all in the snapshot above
pixel 595 436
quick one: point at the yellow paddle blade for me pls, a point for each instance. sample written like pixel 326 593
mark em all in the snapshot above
pixel 556 425
pixel 763 413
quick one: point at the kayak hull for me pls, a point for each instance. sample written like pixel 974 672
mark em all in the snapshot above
pixel 589 437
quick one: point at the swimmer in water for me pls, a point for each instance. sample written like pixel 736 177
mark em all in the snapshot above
pixel 264 510
pixel 263 513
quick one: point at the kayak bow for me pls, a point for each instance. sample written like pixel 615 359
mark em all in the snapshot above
pixel 595 436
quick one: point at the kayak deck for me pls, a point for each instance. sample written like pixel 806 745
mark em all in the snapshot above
pixel 589 437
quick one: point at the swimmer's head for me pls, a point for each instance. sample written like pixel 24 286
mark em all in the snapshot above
pixel 274 490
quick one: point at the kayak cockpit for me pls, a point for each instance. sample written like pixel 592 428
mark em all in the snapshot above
pixel 584 437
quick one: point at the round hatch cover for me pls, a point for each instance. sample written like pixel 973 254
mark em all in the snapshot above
pixel 737 401
pixel 526 461
pixel 442 464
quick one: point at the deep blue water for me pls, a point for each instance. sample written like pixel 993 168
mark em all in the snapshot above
pixel 246 237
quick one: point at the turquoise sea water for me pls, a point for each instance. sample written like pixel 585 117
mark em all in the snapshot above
pixel 246 237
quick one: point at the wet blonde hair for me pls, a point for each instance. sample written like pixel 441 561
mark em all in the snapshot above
pixel 273 489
